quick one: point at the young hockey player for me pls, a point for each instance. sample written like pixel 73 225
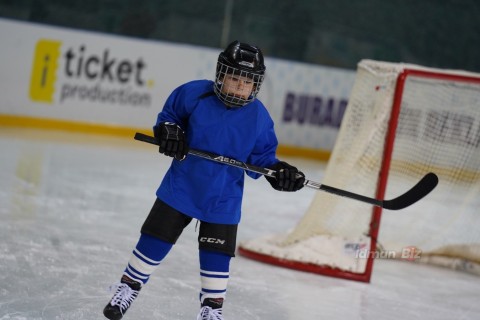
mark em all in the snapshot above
pixel 223 117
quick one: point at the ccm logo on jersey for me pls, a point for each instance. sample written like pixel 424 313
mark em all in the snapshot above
pixel 212 240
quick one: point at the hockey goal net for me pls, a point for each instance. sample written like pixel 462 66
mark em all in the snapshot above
pixel 401 122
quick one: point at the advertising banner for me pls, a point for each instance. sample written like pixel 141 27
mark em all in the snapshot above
pixel 77 76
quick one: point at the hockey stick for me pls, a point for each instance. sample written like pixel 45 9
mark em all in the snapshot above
pixel 417 192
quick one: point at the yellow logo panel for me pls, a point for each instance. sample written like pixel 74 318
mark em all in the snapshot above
pixel 45 63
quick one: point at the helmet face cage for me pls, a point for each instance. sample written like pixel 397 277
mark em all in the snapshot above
pixel 229 97
pixel 241 66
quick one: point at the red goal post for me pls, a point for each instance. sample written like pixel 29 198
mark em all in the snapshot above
pixel 401 122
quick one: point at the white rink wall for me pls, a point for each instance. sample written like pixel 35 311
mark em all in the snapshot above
pixel 51 73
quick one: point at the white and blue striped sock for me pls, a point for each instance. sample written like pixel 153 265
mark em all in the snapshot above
pixel 146 257
pixel 214 274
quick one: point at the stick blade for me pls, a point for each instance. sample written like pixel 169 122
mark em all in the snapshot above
pixel 420 190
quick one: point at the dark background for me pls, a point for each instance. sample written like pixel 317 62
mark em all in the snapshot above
pixel 434 33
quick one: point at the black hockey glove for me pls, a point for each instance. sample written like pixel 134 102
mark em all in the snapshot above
pixel 287 177
pixel 172 140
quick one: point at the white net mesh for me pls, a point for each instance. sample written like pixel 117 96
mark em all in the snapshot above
pixel 438 131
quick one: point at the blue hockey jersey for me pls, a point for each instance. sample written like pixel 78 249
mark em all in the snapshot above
pixel 206 190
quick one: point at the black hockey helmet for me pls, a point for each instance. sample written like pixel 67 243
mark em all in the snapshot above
pixel 243 60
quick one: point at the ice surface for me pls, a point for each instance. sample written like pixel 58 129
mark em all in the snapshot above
pixel 71 206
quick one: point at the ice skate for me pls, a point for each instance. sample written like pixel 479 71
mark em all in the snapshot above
pixel 211 309
pixel 125 292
